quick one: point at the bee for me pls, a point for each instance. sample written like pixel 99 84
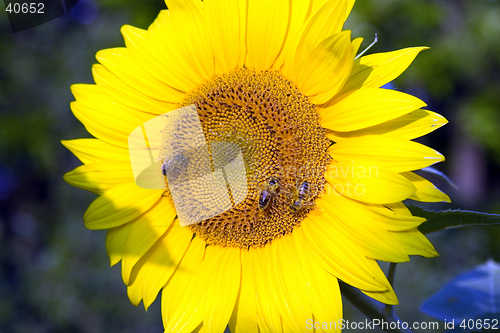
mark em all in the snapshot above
pixel 173 166
pixel 299 197
pixel 267 194
pixel 164 168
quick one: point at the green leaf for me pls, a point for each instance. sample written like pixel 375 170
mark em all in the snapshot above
pixel 452 219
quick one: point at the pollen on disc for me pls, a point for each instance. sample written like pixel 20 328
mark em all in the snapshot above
pixel 264 119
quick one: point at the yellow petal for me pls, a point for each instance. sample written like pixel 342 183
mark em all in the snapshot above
pixel 349 219
pixel 327 21
pixel 119 205
pixel 326 69
pixel 156 54
pixel 318 19
pixel 144 232
pixel 415 243
pixel 410 126
pixel 368 182
pixel 174 289
pixel 367 107
pixel 200 329
pixel 115 241
pixel 316 5
pixel 299 11
pixel 192 35
pixel 119 61
pixel 426 191
pixel 244 316
pixel 350 4
pixel 103 117
pixel 93 150
pixel 288 284
pixel 343 259
pixel 356 43
pixel 109 129
pixel 375 70
pixel 154 269
pixel 222 291
pixel 393 216
pixel 226 21
pixel 322 287
pixel 387 296
pixel 100 177
pixel 268 316
pixel 400 208
pixel 190 308
pixel 266 30
pixel 127 95
pixel 396 154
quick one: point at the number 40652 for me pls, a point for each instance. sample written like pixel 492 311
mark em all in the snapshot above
pixel 478 324
pixel 24 8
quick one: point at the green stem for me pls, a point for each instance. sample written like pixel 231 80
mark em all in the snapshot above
pixel 389 309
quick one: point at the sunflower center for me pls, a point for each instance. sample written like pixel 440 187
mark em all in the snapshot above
pixel 284 150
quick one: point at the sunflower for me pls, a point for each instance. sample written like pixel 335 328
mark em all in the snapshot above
pixel 328 160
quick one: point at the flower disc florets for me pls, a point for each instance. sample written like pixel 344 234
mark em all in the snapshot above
pixel 278 132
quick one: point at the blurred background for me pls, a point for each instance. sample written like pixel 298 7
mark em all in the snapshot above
pixel 54 273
